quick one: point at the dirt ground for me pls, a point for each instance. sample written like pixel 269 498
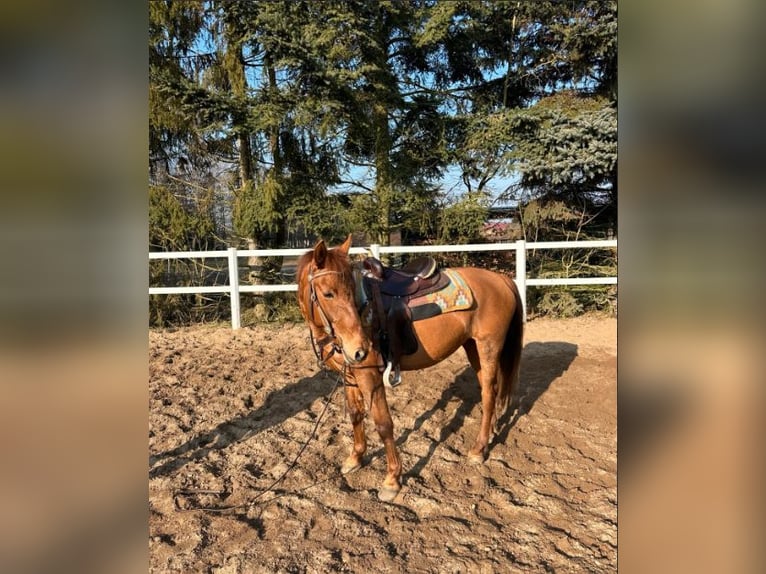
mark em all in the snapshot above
pixel 229 411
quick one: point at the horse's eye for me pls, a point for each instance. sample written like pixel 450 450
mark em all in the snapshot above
pixel 328 295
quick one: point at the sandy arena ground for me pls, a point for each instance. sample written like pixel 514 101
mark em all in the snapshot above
pixel 230 410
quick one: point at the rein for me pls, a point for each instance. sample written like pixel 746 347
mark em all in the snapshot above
pixel 254 501
pixel 345 373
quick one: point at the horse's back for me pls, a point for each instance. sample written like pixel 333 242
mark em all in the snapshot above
pixel 495 302
pixel 488 318
pixel 489 286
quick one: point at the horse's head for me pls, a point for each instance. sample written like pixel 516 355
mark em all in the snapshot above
pixel 326 298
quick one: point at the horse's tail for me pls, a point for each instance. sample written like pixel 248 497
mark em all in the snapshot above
pixel 510 358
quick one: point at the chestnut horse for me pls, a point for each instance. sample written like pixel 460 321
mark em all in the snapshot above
pixel 491 333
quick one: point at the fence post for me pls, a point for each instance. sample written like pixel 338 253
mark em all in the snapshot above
pixel 234 287
pixel 521 273
pixel 375 250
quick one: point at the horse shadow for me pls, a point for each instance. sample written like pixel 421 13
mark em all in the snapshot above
pixel 465 388
pixel 280 405
pixel 541 364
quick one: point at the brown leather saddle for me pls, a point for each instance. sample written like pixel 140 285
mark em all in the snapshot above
pixel 389 291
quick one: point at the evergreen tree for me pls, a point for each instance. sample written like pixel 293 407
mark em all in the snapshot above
pixel 278 102
pixel 534 89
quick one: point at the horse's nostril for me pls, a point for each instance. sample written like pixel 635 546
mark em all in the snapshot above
pixel 360 355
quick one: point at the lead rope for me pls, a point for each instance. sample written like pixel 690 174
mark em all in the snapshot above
pixel 255 500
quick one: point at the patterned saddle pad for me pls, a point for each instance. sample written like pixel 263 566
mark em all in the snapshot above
pixel 455 296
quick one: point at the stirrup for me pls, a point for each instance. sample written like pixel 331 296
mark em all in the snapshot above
pixel 392 382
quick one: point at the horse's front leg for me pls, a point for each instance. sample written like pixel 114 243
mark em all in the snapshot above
pixel 356 411
pixel 376 393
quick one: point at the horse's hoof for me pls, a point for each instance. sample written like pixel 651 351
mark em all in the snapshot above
pixel 350 466
pixel 476 458
pixel 387 494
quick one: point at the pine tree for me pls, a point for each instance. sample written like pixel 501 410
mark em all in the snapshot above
pixel 282 101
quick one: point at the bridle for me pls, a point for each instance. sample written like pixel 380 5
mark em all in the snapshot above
pixel 320 344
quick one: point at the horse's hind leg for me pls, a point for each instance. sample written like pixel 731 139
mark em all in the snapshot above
pixel 356 411
pixel 484 360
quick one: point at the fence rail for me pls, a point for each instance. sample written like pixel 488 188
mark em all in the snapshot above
pixel 520 247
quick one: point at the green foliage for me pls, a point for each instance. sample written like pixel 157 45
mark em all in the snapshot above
pixel 559 303
pixel 416 209
pixel 562 303
pixel 272 308
pixel 175 227
pixel 549 219
pixel 257 208
pixel 572 300
pixel 461 221
pixel 363 215
pixel 321 216
pixel 567 142
pixel 173 310
pixel 168 222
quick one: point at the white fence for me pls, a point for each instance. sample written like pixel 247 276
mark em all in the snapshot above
pixel 520 247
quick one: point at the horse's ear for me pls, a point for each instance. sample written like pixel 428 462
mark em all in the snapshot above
pixel 345 246
pixel 320 253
